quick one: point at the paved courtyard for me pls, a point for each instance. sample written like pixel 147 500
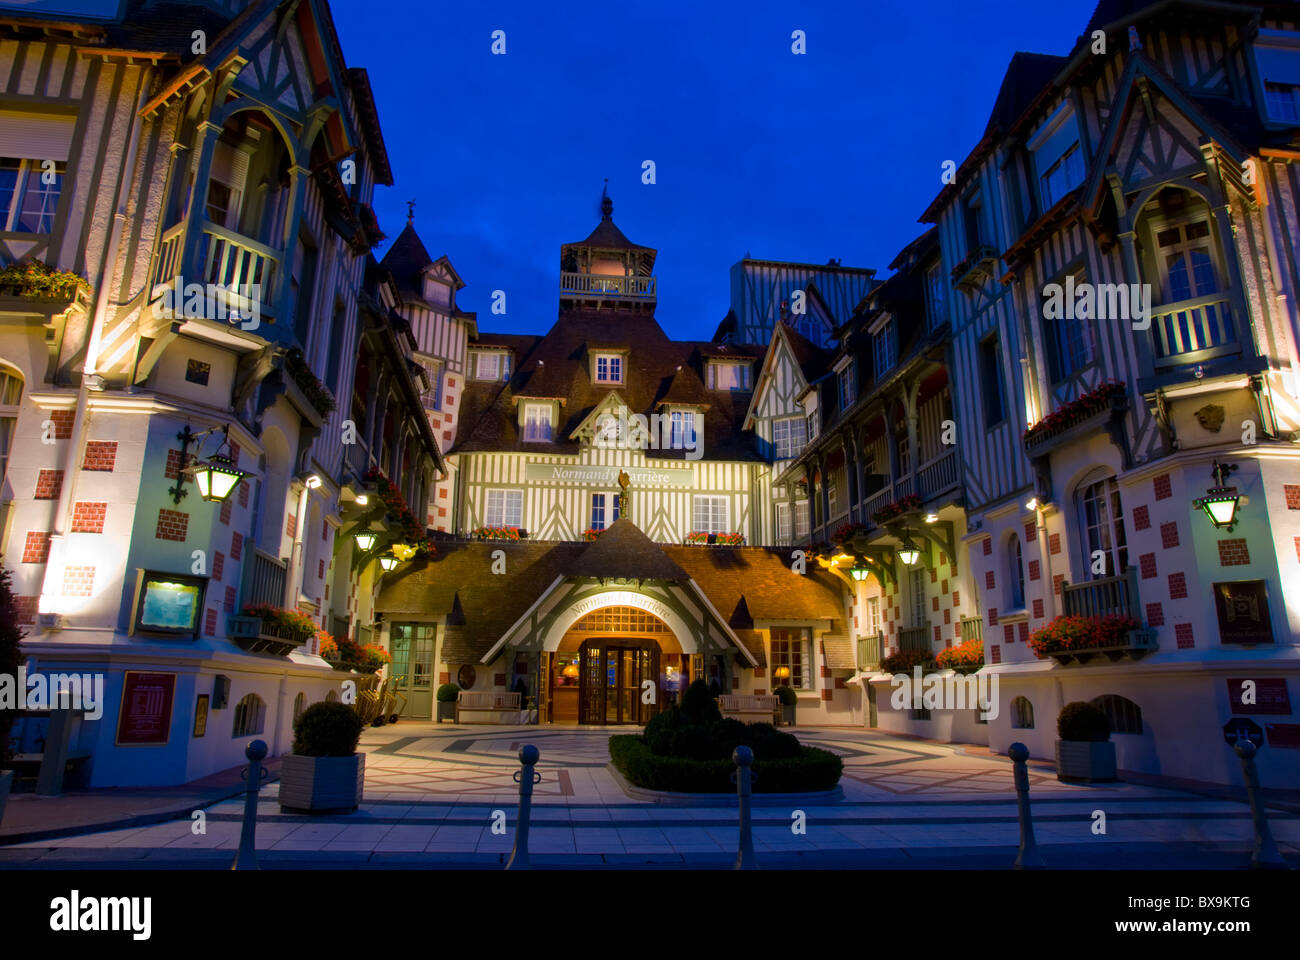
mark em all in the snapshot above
pixel 434 793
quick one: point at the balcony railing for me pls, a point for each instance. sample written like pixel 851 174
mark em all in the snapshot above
pixel 914 638
pixel 870 651
pixel 1193 330
pixel 971 628
pixel 240 267
pixel 265 584
pixel 938 475
pixel 606 287
pixel 169 255
pixel 1108 596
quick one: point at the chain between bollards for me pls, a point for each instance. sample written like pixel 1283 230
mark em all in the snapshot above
pixel 246 859
pixel 743 778
pixel 525 777
pixel 1028 858
pixel 1266 854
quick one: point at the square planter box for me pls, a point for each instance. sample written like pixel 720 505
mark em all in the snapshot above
pixel 447 710
pixel 322 784
pixel 1085 761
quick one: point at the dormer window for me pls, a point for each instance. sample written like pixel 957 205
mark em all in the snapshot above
pixel 884 348
pixel 847 385
pixel 725 375
pixel 609 368
pixel 490 364
pixel 1058 157
pixel 1277 54
pixel 538 422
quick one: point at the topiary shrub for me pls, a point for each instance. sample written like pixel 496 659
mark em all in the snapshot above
pixel 699 705
pixel 724 736
pixel 1082 722
pixel 326 730
pixel 768 743
pixel 812 769
pixel 691 742
pixel 10 636
pixel 787 696
pixel 448 693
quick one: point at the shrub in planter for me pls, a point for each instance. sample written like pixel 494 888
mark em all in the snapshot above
pixel 789 700
pixel 1084 751
pixel 812 769
pixel 699 704
pixel 324 772
pixel 446 697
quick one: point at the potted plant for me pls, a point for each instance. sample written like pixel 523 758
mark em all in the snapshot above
pixel 1084 751
pixel 446 697
pixel 788 699
pixel 10 635
pixel 324 772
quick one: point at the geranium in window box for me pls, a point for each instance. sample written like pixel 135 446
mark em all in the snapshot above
pixel 1069 639
pixel 906 660
pixel 907 504
pixel 966 657
pixel 591 534
pixel 1110 397
pixel 513 534
pixel 266 629
pixel 847 533
pixel 729 539
pixel 698 538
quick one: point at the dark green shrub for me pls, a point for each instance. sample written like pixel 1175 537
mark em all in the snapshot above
pixel 326 730
pixel 768 743
pixel 448 692
pixel 690 741
pixel 1083 722
pixel 10 635
pixel 787 696
pixel 715 689
pixel 660 728
pixel 724 736
pixel 812 770
pixel 699 704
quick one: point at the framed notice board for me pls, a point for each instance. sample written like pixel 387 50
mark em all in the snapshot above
pixel 145 716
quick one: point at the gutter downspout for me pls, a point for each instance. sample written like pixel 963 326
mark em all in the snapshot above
pixel 293 579
pixel 54 568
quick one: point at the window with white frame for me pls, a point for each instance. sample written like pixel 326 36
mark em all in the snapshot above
pixel 1016 565
pixel 884 348
pixel 604 510
pixel 789 436
pixel 537 422
pixel 1277 55
pixel 710 514
pixel 29 194
pixel 609 368
pixel 800 520
pixel 814 424
pixel 490 365
pixel 11 395
pixel 728 376
pixel 505 508
pixel 848 386
pixel 873 616
pixel 1058 157
pixel 936 295
pixel 792 649
pixel 1101 520
pixel 250 716
pixel 683 435
pixel 784 530
pixel 916 577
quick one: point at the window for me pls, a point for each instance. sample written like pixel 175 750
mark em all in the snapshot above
pixel 332 697
pixel 1071 344
pixel 683 430
pixel 1282 101
pixel 873 616
pixel 196 371
pixel 814 424
pixel 604 510
pixel 972 222
pixel 836 490
pixel 1016 561
pixel 848 391
pixel 784 530
pixel 505 508
pixel 995 405
pixel 1101 518
pixel 412 649
pixel 916 578
pixel 250 716
pixel 1277 54
pixel 299 705
pixel 790 648
pixel 537 423
pixel 789 435
pixel 884 348
pixel 490 365
pixel 609 368
pixel 432 398
pixel 11 395
pixel 904 451
pixel 710 515
pixel 728 376
pixel 1058 160
pixel 936 296
pixel 800 521
pixel 29 194
pixel 1124 715
pixel 226 185
pixel 1022 714
pixel 1184 252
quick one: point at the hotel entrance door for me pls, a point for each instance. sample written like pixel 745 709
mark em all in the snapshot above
pixel 613 673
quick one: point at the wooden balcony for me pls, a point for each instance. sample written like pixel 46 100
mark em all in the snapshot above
pixel 264 579
pixel 871 650
pixel 1193 331
pixel 914 638
pixel 597 287
pixel 239 268
pixel 939 475
pixel 970 628
pixel 1107 597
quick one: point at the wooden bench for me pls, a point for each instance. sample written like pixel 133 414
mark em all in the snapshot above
pixel 58 759
pixel 472 702
pixel 748 708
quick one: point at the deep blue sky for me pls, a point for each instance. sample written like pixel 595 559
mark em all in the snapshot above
pixel 835 153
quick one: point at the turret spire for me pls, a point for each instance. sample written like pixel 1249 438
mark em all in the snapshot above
pixel 606 204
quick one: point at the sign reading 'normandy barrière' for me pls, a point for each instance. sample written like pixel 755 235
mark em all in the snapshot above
pixel 647 476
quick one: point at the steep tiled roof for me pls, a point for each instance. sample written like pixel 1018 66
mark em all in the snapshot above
pixel 405 260
pixel 1027 74
pixel 759 579
pixel 608 237
pixel 624 552
pixel 813 360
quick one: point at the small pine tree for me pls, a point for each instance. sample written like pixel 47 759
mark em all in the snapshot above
pixel 10 635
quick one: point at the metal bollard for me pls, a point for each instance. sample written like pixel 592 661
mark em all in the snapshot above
pixel 246 859
pixel 525 777
pixel 1028 858
pixel 743 778
pixel 1266 854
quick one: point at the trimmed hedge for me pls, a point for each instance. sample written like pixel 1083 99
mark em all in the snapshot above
pixel 812 769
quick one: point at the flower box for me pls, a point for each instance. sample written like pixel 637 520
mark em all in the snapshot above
pixel 979 264
pixel 512 534
pixel 908 504
pixel 1085 761
pixel 965 658
pixel 1075 639
pixel 258 635
pixel 322 784
pixel 1076 418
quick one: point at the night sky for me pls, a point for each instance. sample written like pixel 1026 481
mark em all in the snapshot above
pixel 835 153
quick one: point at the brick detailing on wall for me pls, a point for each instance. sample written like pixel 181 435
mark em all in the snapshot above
pixel 49 483
pixel 934 576
pixel 827 693
pixel 1292 491
pixel 947 616
pixel 1008 633
pixel 996 652
pixel 26 607
pixel 1023 631
pixel 243 492
pixel 1038 608
pixel 1163 488
pixel 210 622
pixel 1177 586
pixel 63 423
pixel 1155 615
pixel 172 525
pixel 224 515
pixel 1031 531
pixel 1035 570
pixel 229 604
pixel 1233 553
pixel 989 581
pixel 956 598
pixel 236 545
pixel 88 517
pixel 1142 517
pixel 291 526
pixel 944 587
pixel 993 616
pixel 37 548
pixel 988 546
pixel 934 604
pixel 1183 631
pixel 234 454
pixel 320 569
pixel 100 455
pixel 1058 581
pixel 1169 535
pixel 173 468
pixel 1147 564
pixel 218 565
pixel 1054 544
pixel 938 633
pixel 78 581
